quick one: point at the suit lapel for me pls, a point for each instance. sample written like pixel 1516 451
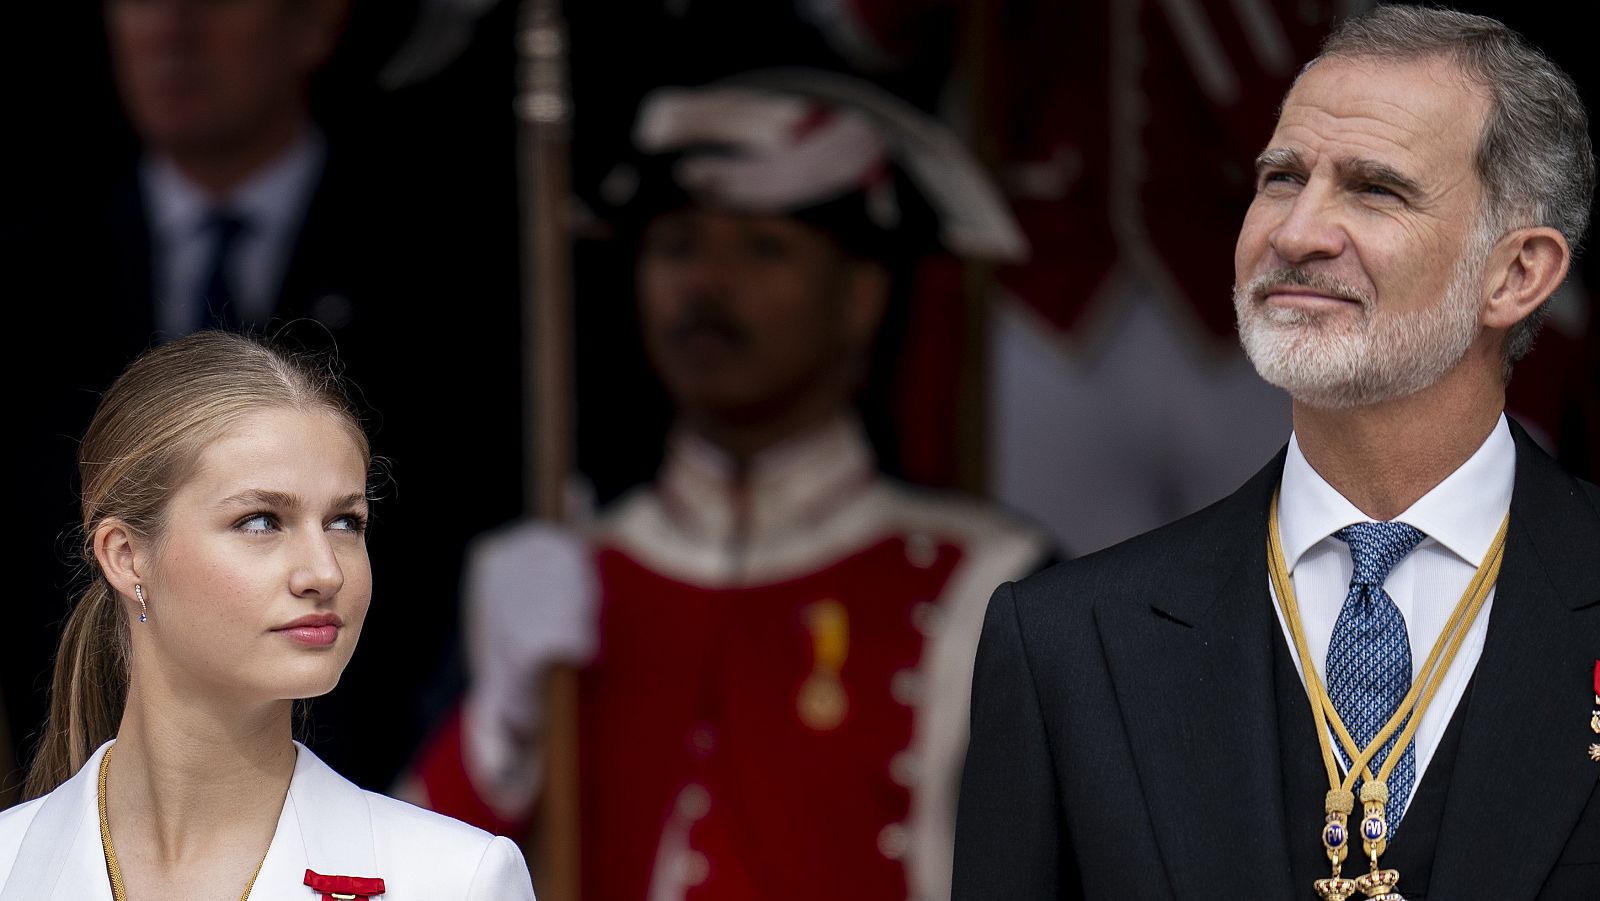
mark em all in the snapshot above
pixel 1526 730
pixel 132 289
pixel 326 826
pixel 306 273
pixel 60 857
pixel 1193 675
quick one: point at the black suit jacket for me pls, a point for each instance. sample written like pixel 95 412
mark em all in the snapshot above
pixel 1125 731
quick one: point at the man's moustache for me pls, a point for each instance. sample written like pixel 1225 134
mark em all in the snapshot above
pixel 709 320
pixel 1296 276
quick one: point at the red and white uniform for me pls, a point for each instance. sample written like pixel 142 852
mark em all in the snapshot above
pixel 773 701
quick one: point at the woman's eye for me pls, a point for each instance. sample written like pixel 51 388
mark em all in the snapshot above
pixel 349 523
pixel 260 522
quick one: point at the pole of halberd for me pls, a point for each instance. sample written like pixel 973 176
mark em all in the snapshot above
pixel 544 113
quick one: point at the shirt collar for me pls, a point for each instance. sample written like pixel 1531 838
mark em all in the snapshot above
pixel 1461 513
pixel 785 486
pixel 269 200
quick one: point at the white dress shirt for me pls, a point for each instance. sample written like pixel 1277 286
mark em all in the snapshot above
pixel 273 203
pixel 1460 516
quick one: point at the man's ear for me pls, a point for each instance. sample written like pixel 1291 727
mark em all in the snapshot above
pixel 1526 267
pixel 867 287
pixel 117 549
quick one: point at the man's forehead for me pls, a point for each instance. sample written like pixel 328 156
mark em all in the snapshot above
pixel 1422 112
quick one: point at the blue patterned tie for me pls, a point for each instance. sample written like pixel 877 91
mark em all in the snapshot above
pixel 215 305
pixel 1369 656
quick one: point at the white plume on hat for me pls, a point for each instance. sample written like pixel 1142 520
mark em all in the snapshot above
pixel 783 139
pixel 791 152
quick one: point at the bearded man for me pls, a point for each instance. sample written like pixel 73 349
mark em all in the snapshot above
pixel 1372 670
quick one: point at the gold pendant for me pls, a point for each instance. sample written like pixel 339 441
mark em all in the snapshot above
pixel 1379 885
pixel 1336 842
pixel 1374 826
pixel 822 703
pixel 1335 888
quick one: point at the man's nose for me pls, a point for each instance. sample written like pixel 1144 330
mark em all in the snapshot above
pixel 710 271
pixel 1312 228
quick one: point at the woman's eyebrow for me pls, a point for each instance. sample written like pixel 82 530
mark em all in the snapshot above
pixel 284 500
pixel 262 497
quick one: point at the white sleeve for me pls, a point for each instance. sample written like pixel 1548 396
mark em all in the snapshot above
pixel 531 600
pixel 502 875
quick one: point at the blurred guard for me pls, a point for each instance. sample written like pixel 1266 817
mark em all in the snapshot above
pixel 777 640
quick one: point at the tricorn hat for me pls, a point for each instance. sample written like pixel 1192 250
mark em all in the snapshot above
pixel 835 151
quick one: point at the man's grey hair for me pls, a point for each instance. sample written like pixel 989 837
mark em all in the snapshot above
pixel 1534 157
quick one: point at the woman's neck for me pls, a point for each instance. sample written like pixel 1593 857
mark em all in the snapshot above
pixel 193 779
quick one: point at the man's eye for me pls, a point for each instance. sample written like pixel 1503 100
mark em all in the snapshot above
pixel 1269 179
pixel 1378 191
pixel 672 247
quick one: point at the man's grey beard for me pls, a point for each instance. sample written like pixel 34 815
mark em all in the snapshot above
pixel 1337 361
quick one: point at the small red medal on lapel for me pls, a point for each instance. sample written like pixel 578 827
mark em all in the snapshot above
pixel 1594 718
pixel 344 888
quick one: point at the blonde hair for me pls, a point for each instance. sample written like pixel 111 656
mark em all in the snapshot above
pixel 144 441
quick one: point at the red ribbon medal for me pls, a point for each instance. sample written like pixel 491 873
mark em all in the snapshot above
pixel 1597 678
pixel 344 888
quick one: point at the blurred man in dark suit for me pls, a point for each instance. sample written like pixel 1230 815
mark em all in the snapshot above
pixel 243 210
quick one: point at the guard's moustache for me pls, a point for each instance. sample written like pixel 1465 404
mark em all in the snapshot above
pixel 712 319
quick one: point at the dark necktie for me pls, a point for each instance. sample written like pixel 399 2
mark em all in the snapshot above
pixel 215 304
pixel 1369 655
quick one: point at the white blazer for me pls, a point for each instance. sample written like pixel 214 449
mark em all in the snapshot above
pixel 50 847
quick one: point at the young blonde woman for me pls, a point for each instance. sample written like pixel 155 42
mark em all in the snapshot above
pixel 224 508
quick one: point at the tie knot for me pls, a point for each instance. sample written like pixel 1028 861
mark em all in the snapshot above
pixel 1375 548
pixel 223 226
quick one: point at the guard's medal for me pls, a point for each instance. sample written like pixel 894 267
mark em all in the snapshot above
pixel 822 702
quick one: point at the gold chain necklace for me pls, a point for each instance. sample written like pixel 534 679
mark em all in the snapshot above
pixel 113 869
pixel 1377 884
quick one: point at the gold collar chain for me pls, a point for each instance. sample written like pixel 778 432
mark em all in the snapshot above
pixel 118 893
pixel 1378 884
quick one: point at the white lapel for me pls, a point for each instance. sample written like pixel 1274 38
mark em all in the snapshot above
pixel 60 857
pixel 325 826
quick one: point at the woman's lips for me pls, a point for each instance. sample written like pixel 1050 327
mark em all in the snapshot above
pixel 315 636
pixel 315 630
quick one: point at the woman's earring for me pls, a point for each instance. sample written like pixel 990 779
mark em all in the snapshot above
pixel 144 611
